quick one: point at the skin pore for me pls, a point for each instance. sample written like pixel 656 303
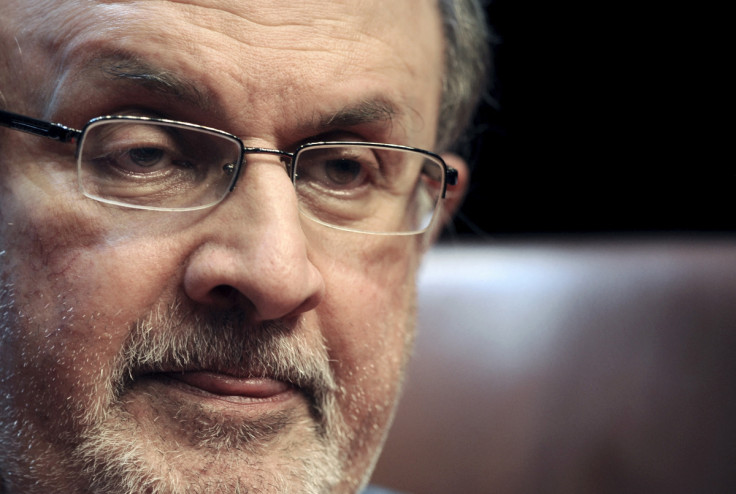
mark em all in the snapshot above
pixel 236 349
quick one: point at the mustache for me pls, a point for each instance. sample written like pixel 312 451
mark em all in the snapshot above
pixel 180 338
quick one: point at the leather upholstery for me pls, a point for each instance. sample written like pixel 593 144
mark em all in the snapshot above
pixel 571 367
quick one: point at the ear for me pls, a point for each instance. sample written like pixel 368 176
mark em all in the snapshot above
pixel 454 194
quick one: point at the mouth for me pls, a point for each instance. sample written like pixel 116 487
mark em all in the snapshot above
pixel 230 388
pixel 241 393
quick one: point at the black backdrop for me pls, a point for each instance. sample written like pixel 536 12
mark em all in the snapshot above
pixel 589 127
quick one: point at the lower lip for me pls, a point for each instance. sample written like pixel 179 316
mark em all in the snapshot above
pixel 250 392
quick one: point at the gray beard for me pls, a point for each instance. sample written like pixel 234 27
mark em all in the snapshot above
pixel 110 450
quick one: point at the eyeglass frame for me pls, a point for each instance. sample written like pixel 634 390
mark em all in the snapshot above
pixel 63 133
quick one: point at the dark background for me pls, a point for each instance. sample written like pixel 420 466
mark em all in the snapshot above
pixel 591 125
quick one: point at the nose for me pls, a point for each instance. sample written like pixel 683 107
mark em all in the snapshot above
pixel 253 251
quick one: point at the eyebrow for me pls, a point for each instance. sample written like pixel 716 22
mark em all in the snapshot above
pixel 131 68
pixel 370 111
pixel 127 67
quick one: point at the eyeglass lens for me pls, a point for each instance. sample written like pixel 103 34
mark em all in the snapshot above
pixel 367 188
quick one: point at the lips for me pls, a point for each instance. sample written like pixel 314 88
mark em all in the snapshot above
pixel 256 388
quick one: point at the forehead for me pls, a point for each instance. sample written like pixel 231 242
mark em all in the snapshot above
pixel 243 58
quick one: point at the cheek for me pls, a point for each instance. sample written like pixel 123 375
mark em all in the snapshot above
pixel 70 289
pixel 72 254
pixel 66 267
pixel 367 318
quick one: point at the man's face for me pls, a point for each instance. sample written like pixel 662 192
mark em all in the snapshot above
pixel 237 349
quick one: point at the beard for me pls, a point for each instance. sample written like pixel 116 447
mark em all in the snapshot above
pixel 127 438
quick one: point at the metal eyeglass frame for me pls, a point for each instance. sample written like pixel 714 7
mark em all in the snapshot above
pixel 62 133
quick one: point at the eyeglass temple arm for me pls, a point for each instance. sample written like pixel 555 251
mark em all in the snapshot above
pixel 451 176
pixel 37 127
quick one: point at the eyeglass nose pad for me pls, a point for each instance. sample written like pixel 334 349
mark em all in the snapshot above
pixel 288 162
pixel 229 168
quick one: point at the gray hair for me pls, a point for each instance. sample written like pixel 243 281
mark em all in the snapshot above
pixel 467 66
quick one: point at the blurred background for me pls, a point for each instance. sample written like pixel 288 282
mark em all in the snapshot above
pixel 577 327
pixel 593 124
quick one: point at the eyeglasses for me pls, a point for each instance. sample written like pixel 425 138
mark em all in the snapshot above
pixel 164 165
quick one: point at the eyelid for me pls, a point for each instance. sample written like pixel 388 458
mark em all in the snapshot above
pixel 165 133
pixel 137 111
pixel 336 136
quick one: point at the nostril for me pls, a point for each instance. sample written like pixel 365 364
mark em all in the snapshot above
pixel 227 297
pixel 224 294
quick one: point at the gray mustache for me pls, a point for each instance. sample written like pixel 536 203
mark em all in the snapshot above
pixel 181 339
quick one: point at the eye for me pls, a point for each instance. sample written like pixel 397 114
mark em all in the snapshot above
pixel 137 148
pixel 145 157
pixel 343 172
pixel 337 169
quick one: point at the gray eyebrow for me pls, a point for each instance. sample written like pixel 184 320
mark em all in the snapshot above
pixel 128 67
pixel 368 111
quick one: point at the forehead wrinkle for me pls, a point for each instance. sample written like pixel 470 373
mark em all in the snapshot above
pixel 137 69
